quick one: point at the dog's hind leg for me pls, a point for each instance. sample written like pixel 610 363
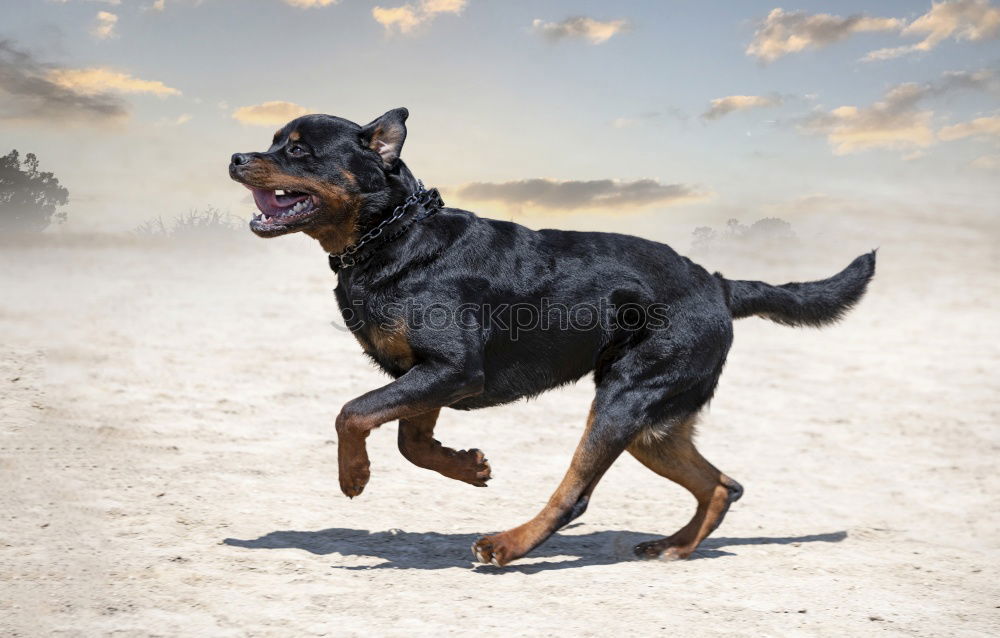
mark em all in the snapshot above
pixel 417 443
pixel 670 452
pixel 604 440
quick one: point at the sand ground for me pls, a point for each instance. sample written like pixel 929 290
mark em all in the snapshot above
pixel 169 463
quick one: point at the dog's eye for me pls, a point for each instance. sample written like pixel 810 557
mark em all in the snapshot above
pixel 296 149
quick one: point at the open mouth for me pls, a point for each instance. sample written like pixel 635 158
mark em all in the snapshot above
pixel 280 209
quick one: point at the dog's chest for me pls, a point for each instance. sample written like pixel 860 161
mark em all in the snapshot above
pixel 383 338
pixel 388 346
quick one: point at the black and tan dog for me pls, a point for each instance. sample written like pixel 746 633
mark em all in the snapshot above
pixel 466 312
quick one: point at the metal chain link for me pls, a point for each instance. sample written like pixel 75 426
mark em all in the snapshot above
pixel 345 258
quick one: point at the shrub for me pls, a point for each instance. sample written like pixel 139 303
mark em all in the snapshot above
pixel 28 197
pixel 197 225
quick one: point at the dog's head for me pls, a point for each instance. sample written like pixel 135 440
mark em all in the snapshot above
pixel 318 173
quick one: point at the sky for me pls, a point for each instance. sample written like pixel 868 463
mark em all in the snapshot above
pixel 592 114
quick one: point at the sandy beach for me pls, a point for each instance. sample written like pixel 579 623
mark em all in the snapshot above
pixel 169 459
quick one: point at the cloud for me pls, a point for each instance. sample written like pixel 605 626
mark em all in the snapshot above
pixel 269 113
pixel 309 4
pixel 895 121
pixel 979 127
pixel 406 18
pixel 589 29
pixel 987 162
pixel 180 120
pixel 104 27
pixel 783 32
pixel 725 105
pixel 31 91
pixel 962 19
pixel 649 117
pixel 158 5
pixel 572 195
pixel 98 80
pixel 645 118
pixel 403 19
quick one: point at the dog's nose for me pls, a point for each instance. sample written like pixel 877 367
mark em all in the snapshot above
pixel 240 159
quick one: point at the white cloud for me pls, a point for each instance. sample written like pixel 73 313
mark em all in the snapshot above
pixel 551 194
pixel 403 19
pixel 589 29
pixel 180 120
pixel 269 113
pixel 97 80
pixel 104 27
pixel 783 32
pixel 309 4
pixel 725 105
pixel 406 18
pixel 987 162
pixel 979 127
pixel 962 19
pixel 444 6
pixel 896 121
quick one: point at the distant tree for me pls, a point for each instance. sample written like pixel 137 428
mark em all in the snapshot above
pixel 704 237
pixel 28 197
pixel 771 228
pixel 735 229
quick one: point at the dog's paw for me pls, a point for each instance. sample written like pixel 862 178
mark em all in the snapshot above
pixel 477 469
pixel 662 550
pixel 354 479
pixel 494 550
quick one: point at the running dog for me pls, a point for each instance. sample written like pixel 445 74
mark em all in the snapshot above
pixel 656 334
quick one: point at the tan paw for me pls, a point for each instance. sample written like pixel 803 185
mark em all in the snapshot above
pixel 477 470
pixel 662 550
pixel 494 550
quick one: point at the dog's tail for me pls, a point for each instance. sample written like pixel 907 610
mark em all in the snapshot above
pixel 813 303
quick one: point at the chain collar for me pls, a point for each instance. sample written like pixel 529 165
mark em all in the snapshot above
pixel 356 253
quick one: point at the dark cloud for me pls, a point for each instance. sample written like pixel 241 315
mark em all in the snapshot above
pixel 26 93
pixel 571 195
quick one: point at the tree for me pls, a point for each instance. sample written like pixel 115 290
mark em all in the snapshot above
pixel 772 228
pixel 28 197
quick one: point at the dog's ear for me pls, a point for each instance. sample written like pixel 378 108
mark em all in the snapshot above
pixel 386 134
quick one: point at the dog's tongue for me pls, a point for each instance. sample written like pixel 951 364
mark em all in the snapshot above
pixel 270 204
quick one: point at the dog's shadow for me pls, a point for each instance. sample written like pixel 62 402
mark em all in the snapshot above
pixel 431 550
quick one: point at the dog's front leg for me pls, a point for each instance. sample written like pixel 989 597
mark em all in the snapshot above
pixel 422 388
